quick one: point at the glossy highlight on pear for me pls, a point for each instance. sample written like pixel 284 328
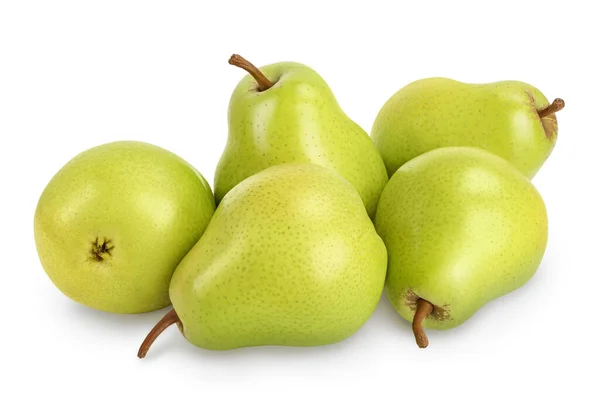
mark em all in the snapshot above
pixel 111 226
pixel 290 258
pixel 286 113
pixel 511 119
pixel 462 227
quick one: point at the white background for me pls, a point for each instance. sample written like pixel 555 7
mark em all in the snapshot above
pixel 77 74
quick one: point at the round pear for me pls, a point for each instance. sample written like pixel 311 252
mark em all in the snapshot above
pixel 114 222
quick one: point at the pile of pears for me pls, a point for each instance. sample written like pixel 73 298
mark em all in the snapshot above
pixel 311 219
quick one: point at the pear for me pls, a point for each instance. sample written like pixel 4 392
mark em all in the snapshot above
pixel 286 113
pixel 290 258
pixel 113 224
pixel 510 119
pixel 462 226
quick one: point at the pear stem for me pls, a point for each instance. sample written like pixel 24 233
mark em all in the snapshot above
pixel 424 308
pixel 263 82
pixel 169 319
pixel 556 106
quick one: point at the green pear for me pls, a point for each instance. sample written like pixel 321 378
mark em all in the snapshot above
pixel 286 113
pixel 510 119
pixel 113 224
pixel 290 258
pixel 462 226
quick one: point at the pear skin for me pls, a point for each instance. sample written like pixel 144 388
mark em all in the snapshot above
pixel 462 227
pixel 113 224
pixel 511 119
pixel 290 258
pixel 286 113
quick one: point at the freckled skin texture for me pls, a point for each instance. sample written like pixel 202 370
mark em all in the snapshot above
pixel 462 227
pixel 113 224
pixel 500 117
pixel 298 120
pixel 289 258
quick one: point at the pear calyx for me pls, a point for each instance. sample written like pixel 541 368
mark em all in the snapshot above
pixel 424 308
pixel 101 249
pixel 263 82
pixel 169 319
pixel 554 107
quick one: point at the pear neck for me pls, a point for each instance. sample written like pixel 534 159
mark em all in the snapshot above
pixel 263 82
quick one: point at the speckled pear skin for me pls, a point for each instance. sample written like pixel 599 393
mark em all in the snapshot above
pixel 290 258
pixel 113 224
pixel 296 120
pixel 500 117
pixel 462 226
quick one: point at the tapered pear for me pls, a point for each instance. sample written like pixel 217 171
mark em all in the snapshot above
pixel 289 258
pixel 113 224
pixel 462 226
pixel 286 113
pixel 511 119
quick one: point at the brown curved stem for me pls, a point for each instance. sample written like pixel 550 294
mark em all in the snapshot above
pixel 554 107
pixel 169 319
pixel 424 308
pixel 263 82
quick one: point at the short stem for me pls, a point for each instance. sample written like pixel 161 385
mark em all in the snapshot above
pixel 169 319
pixel 263 82
pixel 424 308
pixel 556 106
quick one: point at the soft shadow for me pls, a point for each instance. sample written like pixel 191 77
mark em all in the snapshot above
pixel 385 316
pixel 176 346
pixel 172 345
pixel 105 320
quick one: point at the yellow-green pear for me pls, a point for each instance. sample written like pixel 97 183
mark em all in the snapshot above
pixel 113 224
pixel 290 258
pixel 462 226
pixel 511 119
pixel 286 113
